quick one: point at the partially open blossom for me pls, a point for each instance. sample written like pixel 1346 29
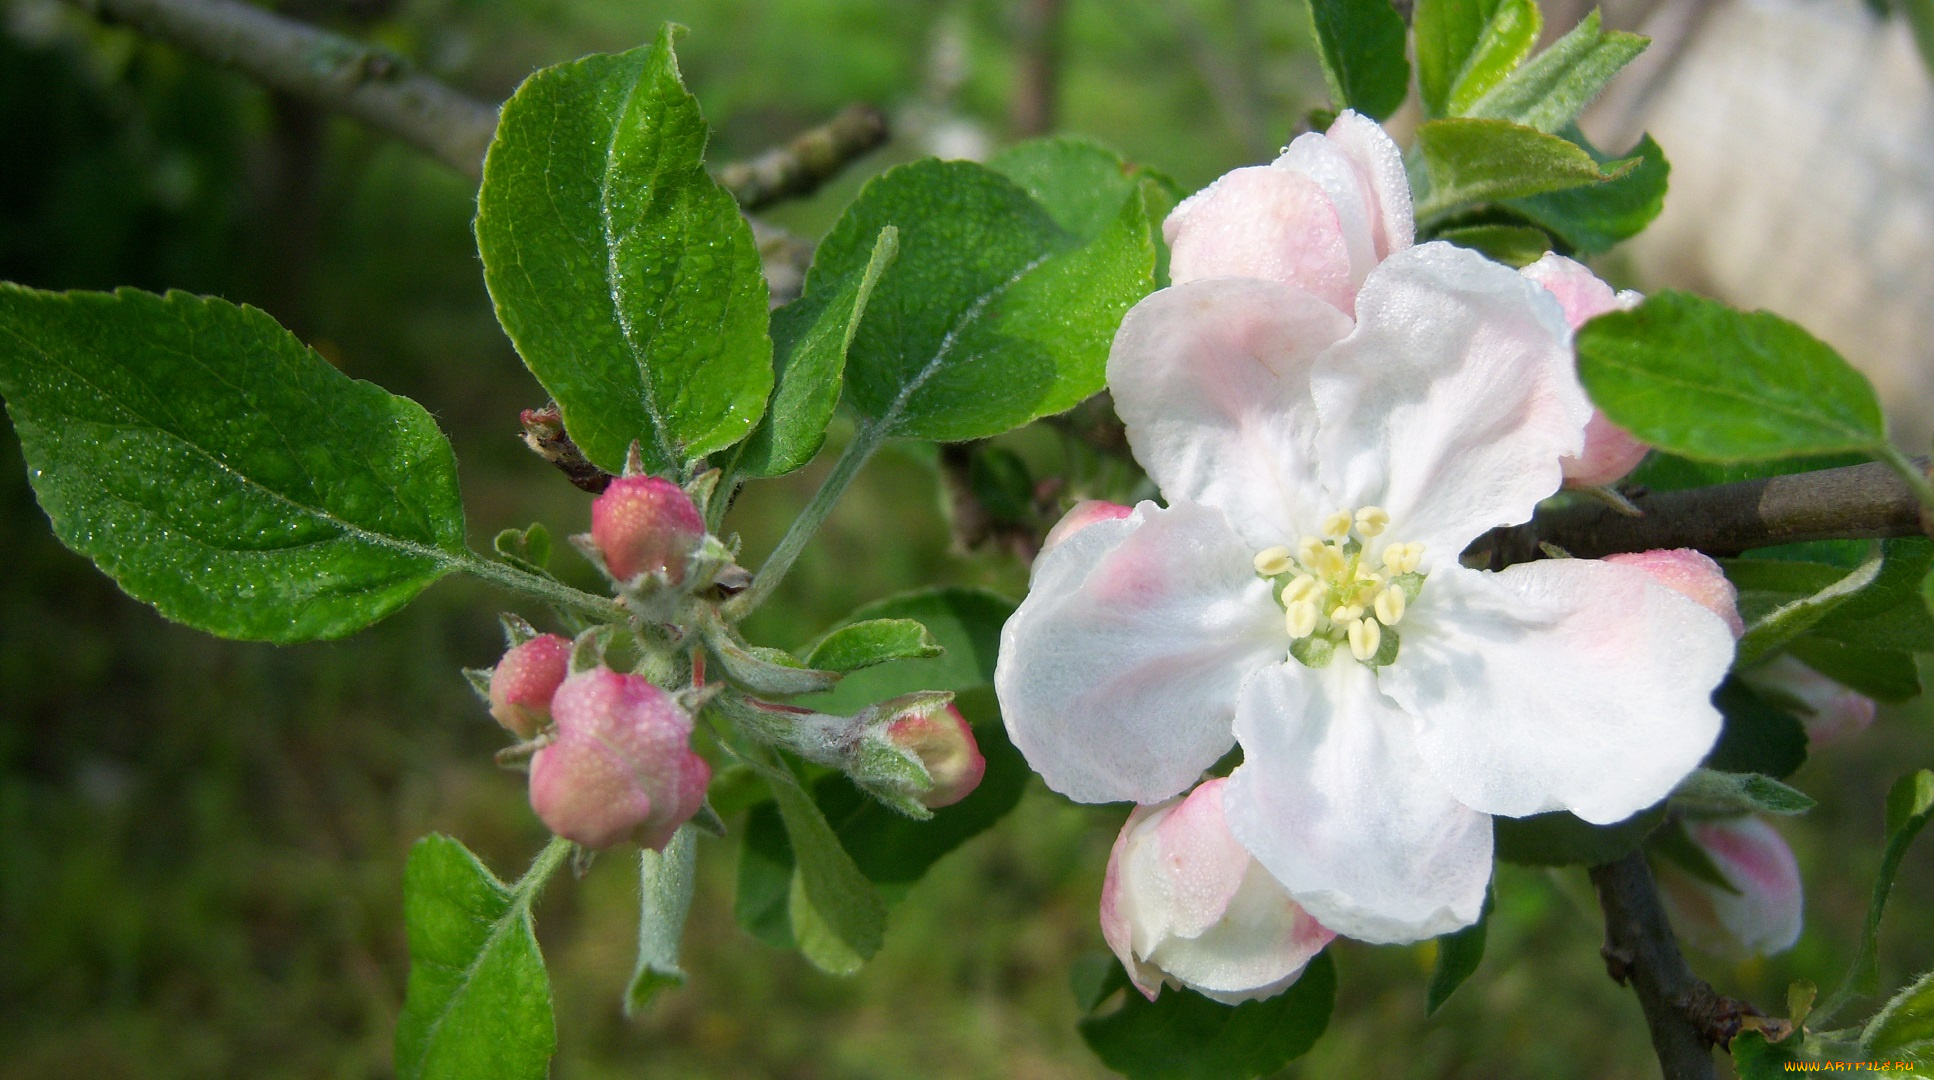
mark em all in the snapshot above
pixel 1762 916
pixel 622 764
pixel 1610 452
pixel 1300 592
pixel 944 742
pixel 1691 574
pixel 1830 711
pixel 1080 516
pixel 1185 904
pixel 645 524
pixel 522 683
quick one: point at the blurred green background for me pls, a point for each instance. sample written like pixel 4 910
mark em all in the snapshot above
pixel 202 842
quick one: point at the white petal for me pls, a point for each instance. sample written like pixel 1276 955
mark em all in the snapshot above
pixel 1270 223
pixel 1565 684
pixel 1334 800
pixel 1212 381
pixel 1256 949
pixel 1118 675
pixel 1452 402
pixel 1380 163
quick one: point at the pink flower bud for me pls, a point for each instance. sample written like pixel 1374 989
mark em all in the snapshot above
pixel 1762 917
pixel 622 764
pixel 1610 452
pixel 1691 574
pixel 524 680
pixel 1185 904
pixel 1080 516
pixel 944 743
pixel 643 524
pixel 1830 711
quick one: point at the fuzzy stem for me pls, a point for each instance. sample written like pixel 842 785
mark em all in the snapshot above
pixel 600 608
pixel 867 439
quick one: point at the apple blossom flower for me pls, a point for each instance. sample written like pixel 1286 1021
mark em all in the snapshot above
pixel 621 765
pixel 1080 516
pixel 1184 904
pixel 1610 451
pixel 1693 575
pixel 1829 711
pixel 1300 594
pixel 522 683
pixel 1760 916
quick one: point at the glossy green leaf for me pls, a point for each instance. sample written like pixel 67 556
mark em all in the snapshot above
pixel 1562 839
pixel 1082 184
pixel 1593 218
pixel 1182 1035
pixel 1910 802
pixel 1711 792
pixel 1512 245
pixel 1472 161
pixel 1884 614
pixel 1758 736
pixel 221 471
pixel 1768 630
pixel 665 882
pixel 1458 954
pixel 993 315
pixel 1903 1030
pixel 1555 86
pixel 1697 378
pixel 622 271
pixel 478 1005
pixel 1882 674
pixel 875 641
pixel 810 339
pixel 1361 44
pixel 1508 35
pixel 965 622
pixel 1756 1059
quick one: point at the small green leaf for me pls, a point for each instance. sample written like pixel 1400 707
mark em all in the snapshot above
pixel 1562 839
pixel 665 882
pixel 1512 245
pixel 810 339
pixel 1758 737
pixel 965 622
pixel 760 901
pixel 624 274
pixel 216 468
pixel 1771 629
pixel 875 641
pixel 1593 218
pixel 1002 484
pixel 1884 614
pixel 1903 1030
pixel 1482 161
pixel 1711 792
pixel 1910 802
pixel 1550 91
pixel 1458 955
pixel 478 1005
pixel 763 671
pixel 1182 1035
pixel 1509 35
pixel 1756 1059
pixel 1882 674
pixel 1361 43
pixel 1697 378
pixel 838 918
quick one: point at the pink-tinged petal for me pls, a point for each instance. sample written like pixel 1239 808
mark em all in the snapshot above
pixel 1080 516
pixel 1118 675
pixel 1830 711
pixel 1120 914
pixel 1564 684
pixel 1211 380
pixel 1610 453
pixel 1333 799
pixel 1579 291
pixel 1193 836
pixel 1262 222
pixel 1763 916
pixel 1693 575
pixel 1380 166
pixel 1451 403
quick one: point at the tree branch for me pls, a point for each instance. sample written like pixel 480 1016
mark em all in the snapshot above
pixel 809 160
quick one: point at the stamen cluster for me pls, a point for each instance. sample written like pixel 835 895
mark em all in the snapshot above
pixel 1344 588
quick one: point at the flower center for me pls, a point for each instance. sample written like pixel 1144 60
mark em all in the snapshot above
pixel 1348 587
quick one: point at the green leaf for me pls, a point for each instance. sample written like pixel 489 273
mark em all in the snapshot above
pixel 1082 184
pixel 1093 976
pixel 1361 43
pixel 1882 674
pixel 1002 484
pixel 1458 955
pixel 965 622
pixel 622 271
pixel 1550 91
pixel 1512 245
pixel 1910 802
pixel 1884 614
pixel 478 1005
pixel 1758 737
pixel 761 900
pixel 1593 218
pixel 838 918
pixel 665 882
pixel 810 339
pixel 1769 630
pixel 1697 378
pixel 1669 472
pixel 1756 1059
pixel 221 471
pixel 1674 845
pixel 1182 1035
pixel 1509 35
pixel 1903 1030
pixel 1469 41
pixel 1481 161
pixel 993 315
pixel 1562 839
pixel 1711 792
pixel 875 641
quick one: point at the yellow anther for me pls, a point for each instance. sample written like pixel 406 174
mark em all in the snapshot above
pixel 1273 561
pixel 1301 587
pixel 1372 520
pixel 1343 613
pixel 1309 552
pixel 1300 618
pixel 1337 525
pixel 1365 636
pixel 1403 558
pixel 1389 606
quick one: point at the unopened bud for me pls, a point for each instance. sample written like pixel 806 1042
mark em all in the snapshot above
pixel 621 765
pixel 1760 915
pixel 645 524
pixel 523 682
pixel 944 743
pixel 1082 515
pixel 1691 574
pixel 1830 711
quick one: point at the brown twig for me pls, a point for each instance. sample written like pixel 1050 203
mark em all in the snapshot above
pixel 809 160
pixel 1037 78
pixel 544 434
